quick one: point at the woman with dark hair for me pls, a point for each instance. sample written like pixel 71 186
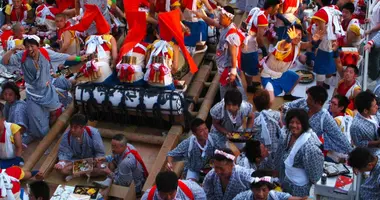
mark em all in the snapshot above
pixel 15 110
pixel 299 157
pixel 226 179
pixel 254 156
pixel 228 116
pixel 41 96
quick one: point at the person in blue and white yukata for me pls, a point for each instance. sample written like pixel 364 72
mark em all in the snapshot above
pixel 226 179
pixel 168 187
pixel 124 166
pixel 263 188
pixel 299 157
pixel 42 99
pixel 364 129
pixel 267 121
pixel 15 110
pixel 79 142
pixel 255 156
pixel 362 160
pixel 197 150
pixel 322 123
pixel 228 116
pixel 227 49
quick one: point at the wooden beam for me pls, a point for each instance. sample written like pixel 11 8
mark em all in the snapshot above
pixel 133 137
pixel 51 159
pixel 209 98
pixel 197 84
pixel 178 168
pixel 58 127
pixel 170 143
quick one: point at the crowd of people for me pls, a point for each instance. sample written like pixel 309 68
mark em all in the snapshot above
pixel 55 45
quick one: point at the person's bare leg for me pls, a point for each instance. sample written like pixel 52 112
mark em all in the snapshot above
pixel 67 170
pixel 248 79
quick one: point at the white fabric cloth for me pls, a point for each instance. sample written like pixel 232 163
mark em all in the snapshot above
pixel 94 43
pixel 7 150
pixel 6 185
pixel 193 140
pixel 297 176
pixel 44 13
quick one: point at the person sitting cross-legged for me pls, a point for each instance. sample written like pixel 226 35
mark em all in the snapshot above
pixel 124 166
pixel 79 142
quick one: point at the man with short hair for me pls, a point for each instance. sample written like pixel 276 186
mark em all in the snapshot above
pixel 322 123
pixel 226 179
pixel 227 49
pixel 124 166
pixel 197 150
pixel 69 42
pixel 351 26
pixel 362 160
pixel 257 24
pixel 365 125
pixel 79 142
pixel 168 187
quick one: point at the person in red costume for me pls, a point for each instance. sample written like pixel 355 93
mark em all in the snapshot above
pixel 68 39
pixel 349 86
pixel 17 11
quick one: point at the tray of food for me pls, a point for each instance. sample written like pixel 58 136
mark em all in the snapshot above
pixel 83 166
pixel 305 76
pixel 240 136
pixel 87 191
pixel 333 169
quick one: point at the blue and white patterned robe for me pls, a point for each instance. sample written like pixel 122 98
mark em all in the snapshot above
pixel 370 189
pixel 195 162
pixel 129 169
pixel 91 147
pixel 243 161
pixel 272 119
pixel 219 112
pixel 197 190
pixel 309 157
pixel 332 134
pixel 273 195
pixel 41 98
pixel 362 131
pixel 16 113
pixel 240 181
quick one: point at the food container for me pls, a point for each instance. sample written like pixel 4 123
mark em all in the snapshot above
pixel 83 166
pixel 306 77
pixel 90 191
pixel 240 136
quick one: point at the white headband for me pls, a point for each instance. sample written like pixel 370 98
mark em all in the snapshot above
pixel 34 37
pixel 264 179
pixel 224 12
pixel 227 155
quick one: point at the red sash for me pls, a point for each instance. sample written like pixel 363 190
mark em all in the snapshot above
pixel 138 158
pixel 181 185
pixel 43 52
